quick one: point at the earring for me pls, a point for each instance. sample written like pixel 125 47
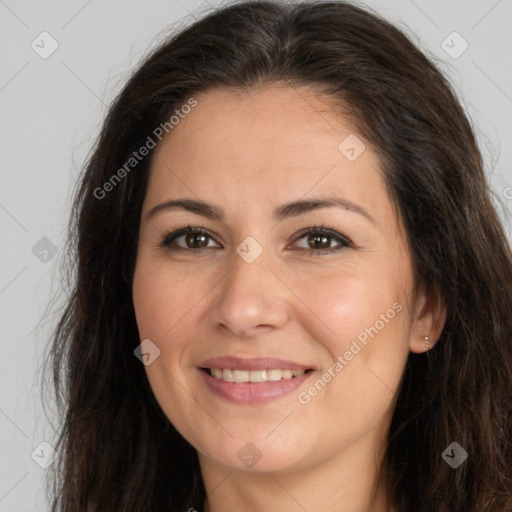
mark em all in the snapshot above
pixel 427 343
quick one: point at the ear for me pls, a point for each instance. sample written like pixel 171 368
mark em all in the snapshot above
pixel 429 319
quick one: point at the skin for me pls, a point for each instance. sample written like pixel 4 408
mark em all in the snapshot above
pixel 248 154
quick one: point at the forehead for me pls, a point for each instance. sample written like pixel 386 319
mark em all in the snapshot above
pixel 266 147
pixel 275 122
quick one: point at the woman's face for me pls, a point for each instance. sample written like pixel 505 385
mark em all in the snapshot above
pixel 259 293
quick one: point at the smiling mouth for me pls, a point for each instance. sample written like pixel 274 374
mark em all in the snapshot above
pixel 255 376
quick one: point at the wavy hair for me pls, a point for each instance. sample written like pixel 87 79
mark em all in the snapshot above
pixel 117 450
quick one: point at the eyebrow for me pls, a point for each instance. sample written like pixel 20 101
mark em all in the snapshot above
pixel 285 211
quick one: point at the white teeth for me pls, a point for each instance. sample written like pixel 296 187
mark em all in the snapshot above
pixel 226 375
pixel 258 376
pixel 274 375
pixel 239 376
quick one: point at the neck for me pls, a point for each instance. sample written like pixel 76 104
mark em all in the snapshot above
pixel 348 481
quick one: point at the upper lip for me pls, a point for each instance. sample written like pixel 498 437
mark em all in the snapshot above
pixel 254 363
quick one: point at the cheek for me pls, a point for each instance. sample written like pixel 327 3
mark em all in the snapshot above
pixel 351 299
pixel 164 306
pixel 162 298
pixel 366 312
pixel 368 324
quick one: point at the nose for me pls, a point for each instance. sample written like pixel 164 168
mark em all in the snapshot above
pixel 251 298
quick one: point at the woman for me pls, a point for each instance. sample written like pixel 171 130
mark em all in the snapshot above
pixel 206 362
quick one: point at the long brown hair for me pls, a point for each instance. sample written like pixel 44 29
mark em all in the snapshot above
pixel 117 450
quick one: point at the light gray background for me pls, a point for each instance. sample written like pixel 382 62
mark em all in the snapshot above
pixel 50 112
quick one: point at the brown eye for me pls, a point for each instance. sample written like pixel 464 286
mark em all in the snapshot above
pixel 191 239
pixel 194 238
pixel 319 241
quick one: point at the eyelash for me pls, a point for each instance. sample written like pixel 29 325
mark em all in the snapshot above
pixel 168 238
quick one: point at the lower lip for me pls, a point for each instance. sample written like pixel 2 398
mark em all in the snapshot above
pixel 253 392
